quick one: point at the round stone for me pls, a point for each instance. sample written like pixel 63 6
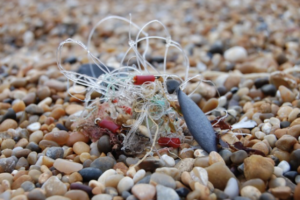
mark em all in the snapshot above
pixel 90 173
pixel 55 152
pixel 27 186
pixel 269 90
pixel 235 54
pixel 125 184
pixel 162 179
pixel 81 147
pixel 67 166
pixel 103 144
pixel 143 191
pixel 103 163
pixel 238 157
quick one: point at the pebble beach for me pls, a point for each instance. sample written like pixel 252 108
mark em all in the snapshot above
pixel 247 54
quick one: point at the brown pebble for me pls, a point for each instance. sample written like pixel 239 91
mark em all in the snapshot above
pixel 286 94
pixel 19 106
pixel 261 146
pixel 258 183
pixel 148 191
pixel 280 132
pixel 280 154
pixel 286 143
pixel 257 166
pixel 60 165
pixel 81 147
pixel 17 183
pixel 77 195
pixel 60 137
pixel 57 113
pixel 7 124
pixel 73 108
pixel 210 105
pixel 281 192
pixel 121 166
pixel 75 137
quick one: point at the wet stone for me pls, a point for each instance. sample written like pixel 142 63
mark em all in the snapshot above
pixel 90 173
pixel 55 152
pixel 103 163
pixel 172 85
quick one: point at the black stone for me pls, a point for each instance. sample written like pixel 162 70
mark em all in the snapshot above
pixel 156 59
pixel 172 85
pixel 90 173
pixel 10 114
pixel 291 175
pixel 61 127
pixel 103 163
pixel 281 58
pixel 86 70
pixel 182 192
pixel 266 196
pixel 269 90
pixel 295 159
pixel 145 180
pixel 259 82
pixel 55 152
pixel 234 90
pixel 79 186
pixel 197 123
pixel 285 124
pixel 71 60
pixel 217 48
pixel 103 144
pixel 7 101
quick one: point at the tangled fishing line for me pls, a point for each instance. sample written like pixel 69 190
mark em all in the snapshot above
pixel 135 109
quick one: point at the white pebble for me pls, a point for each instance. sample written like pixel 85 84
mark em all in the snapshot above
pixel 297 179
pixel 251 192
pixel 139 175
pixel 266 128
pixel 278 171
pixel 271 139
pixel 259 135
pixel 235 54
pixel 200 175
pixel 39 162
pixel 125 184
pixel 34 126
pixel 222 101
pixel 28 37
pixel 106 174
pixel 198 153
pixel 232 188
pixel 285 166
pixel 46 101
pixel 168 160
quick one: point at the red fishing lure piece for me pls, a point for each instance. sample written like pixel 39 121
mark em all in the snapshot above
pixel 169 142
pixel 127 110
pixel 140 79
pixel 110 125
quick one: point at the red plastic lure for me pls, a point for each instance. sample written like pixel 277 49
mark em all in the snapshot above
pixel 169 142
pixel 140 79
pixel 110 125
